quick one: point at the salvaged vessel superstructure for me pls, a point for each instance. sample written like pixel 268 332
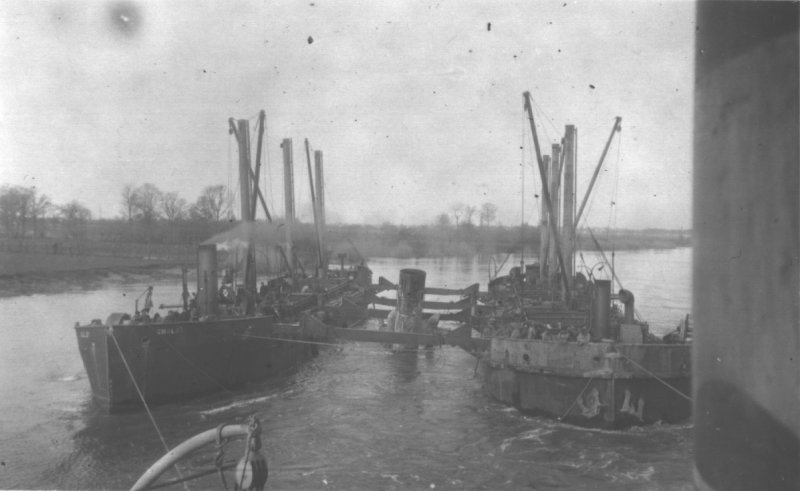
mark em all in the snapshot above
pixel 564 345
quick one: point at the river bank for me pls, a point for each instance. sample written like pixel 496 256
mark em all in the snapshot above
pixel 112 242
pixel 34 273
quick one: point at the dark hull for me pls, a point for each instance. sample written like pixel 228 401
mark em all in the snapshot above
pixel 173 361
pixel 582 385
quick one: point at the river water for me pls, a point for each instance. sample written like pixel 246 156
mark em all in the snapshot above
pixel 356 417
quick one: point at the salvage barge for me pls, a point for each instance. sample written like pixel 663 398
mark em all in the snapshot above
pixel 130 360
pixel 230 334
pixel 613 380
pixel 560 342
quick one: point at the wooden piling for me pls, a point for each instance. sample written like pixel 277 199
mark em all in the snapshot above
pixel 410 295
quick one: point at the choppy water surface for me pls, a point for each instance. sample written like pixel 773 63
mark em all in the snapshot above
pixel 356 417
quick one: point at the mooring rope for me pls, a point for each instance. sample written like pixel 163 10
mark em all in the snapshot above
pixel 141 397
pixel 577 399
pixel 658 378
pixel 138 391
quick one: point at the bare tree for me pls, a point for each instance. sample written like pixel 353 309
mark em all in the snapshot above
pixel 8 210
pixel 148 197
pixel 443 220
pixel 457 210
pixel 469 212
pixel 16 207
pixel 173 206
pixel 75 216
pixel 214 204
pixel 41 207
pixel 488 214
pixel 129 201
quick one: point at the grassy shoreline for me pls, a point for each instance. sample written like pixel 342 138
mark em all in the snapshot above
pixel 46 258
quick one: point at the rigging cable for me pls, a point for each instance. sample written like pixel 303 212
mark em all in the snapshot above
pixel 544 116
pixel 648 372
pixel 576 399
pixel 528 140
pixel 614 194
pixel 590 202
pixel 534 164
pixel 612 218
pixel 141 397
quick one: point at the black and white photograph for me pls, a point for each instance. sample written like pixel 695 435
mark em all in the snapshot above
pixel 386 245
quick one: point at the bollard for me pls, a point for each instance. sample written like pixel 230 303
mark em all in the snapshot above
pixel 410 294
pixel 410 291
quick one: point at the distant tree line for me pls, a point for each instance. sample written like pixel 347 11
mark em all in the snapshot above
pixel 25 212
pixel 147 203
pixel 147 214
pixel 462 215
pixel 152 217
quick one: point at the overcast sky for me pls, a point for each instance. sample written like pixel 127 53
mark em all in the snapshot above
pixel 417 106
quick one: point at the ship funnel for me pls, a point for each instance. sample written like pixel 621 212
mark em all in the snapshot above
pixel 364 276
pixel 207 279
pixel 626 297
pixel 601 304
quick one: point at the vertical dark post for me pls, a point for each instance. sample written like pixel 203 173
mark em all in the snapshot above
pixel 555 195
pixel 288 194
pixel 207 279
pixel 544 227
pixel 363 276
pixel 552 221
pixel 185 289
pixel 568 222
pixel 601 305
pixel 318 271
pixel 246 189
pixel 410 295
pixel 243 138
pixel 557 163
pixel 320 188
pixel 747 239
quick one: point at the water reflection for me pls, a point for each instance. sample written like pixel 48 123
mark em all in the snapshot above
pixel 404 365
